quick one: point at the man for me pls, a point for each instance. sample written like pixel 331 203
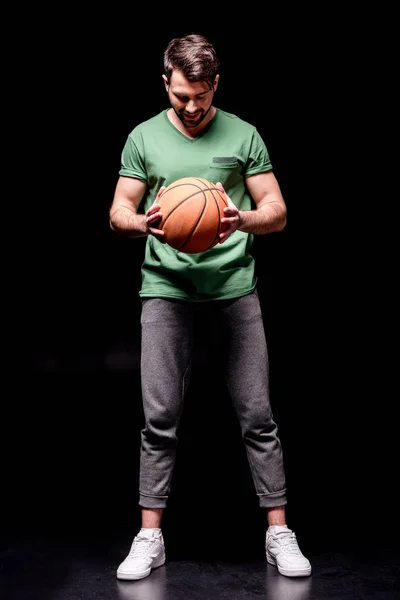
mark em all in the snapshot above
pixel 194 138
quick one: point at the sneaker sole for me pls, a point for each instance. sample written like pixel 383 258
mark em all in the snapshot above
pixel 289 572
pixel 134 576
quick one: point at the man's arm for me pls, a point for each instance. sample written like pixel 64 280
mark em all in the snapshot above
pixel 124 217
pixel 270 212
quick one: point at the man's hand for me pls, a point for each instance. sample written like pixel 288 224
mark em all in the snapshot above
pixel 153 218
pixel 231 219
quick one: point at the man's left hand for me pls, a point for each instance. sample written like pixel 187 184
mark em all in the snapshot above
pixel 231 219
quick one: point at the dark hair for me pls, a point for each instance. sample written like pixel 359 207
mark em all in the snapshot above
pixel 194 55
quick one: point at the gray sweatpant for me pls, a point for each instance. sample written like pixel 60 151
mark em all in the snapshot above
pixel 166 354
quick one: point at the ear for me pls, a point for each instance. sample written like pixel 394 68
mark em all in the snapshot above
pixel 166 82
pixel 215 84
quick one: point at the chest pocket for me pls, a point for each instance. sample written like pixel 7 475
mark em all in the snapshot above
pixel 225 169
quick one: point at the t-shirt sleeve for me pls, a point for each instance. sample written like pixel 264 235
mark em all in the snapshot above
pixel 132 158
pixel 258 160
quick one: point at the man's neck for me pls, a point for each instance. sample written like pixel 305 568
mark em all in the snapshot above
pixel 193 131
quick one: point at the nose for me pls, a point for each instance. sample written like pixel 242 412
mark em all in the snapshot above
pixel 191 107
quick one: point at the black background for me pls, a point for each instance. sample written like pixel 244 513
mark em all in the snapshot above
pixel 72 415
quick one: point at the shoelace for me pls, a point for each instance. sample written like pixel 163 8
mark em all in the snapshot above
pixel 140 546
pixel 288 542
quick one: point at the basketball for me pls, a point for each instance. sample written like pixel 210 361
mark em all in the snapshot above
pixel 192 209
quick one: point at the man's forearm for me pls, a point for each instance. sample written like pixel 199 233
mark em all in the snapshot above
pixel 128 223
pixel 267 218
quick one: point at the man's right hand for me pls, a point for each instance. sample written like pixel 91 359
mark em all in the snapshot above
pixel 153 218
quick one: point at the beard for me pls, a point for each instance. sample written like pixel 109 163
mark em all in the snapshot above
pixel 192 123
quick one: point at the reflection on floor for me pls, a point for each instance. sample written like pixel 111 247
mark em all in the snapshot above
pixel 63 569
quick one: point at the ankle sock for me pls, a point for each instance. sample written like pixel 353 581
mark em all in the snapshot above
pixel 149 532
pixel 278 528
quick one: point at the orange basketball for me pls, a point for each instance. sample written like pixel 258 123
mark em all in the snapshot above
pixel 192 209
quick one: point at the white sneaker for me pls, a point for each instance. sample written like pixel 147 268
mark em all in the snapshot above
pixel 283 552
pixel 147 552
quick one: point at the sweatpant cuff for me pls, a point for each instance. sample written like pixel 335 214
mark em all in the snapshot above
pixel 272 500
pixel 152 501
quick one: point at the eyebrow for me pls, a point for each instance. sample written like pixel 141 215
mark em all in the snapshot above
pixel 186 95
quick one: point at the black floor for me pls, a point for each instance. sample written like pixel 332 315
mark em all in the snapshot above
pixel 71 569
pixel 69 494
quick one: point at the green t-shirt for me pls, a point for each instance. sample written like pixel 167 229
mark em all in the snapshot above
pixel 228 150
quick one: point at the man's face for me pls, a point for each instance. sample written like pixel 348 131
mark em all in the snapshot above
pixel 190 100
